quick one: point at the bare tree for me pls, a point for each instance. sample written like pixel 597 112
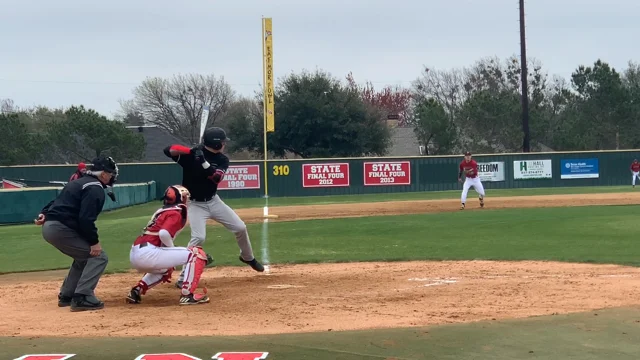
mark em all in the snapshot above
pixel 176 104
pixel 7 106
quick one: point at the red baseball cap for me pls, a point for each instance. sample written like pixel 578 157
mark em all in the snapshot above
pixel 82 166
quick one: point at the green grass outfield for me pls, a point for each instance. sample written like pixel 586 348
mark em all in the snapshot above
pixel 147 209
pixel 599 234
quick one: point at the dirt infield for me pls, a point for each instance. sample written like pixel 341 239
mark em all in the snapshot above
pixel 324 297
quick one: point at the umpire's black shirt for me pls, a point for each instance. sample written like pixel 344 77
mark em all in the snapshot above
pixel 78 207
pixel 195 178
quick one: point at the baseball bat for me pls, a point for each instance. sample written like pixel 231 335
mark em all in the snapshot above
pixel 203 120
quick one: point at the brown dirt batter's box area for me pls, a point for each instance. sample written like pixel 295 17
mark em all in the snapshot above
pixel 321 297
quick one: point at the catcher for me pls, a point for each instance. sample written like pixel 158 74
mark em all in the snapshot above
pixel 153 251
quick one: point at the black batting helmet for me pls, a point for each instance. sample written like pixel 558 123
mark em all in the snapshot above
pixel 214 137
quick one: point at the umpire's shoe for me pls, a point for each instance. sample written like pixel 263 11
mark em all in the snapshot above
pixel 85 302
pixel 64 301
pixel 253 263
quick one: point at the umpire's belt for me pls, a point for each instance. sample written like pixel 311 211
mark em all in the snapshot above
pixel 202 199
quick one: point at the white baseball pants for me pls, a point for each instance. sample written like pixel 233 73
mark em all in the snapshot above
pixel 471 182
pixel 155 261
pixel 633 178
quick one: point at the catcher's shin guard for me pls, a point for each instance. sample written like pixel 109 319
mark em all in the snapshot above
pixel 193 270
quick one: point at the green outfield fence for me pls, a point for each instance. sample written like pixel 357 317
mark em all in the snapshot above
pixel 316 177
pixel 23 205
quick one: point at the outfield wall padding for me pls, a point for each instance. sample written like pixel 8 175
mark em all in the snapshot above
pixel 23 205
pixel 246 179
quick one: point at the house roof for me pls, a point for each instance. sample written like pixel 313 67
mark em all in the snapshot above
pixel 156 139
pixel 403 142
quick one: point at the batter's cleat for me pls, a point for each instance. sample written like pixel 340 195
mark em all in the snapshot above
pixel 209 261
pixel 64 301
pixel 255 265
pixel 194 299
pixel 462 207
pixel 86 302
pixel 134 296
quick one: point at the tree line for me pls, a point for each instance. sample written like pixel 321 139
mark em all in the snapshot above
pixel 475 108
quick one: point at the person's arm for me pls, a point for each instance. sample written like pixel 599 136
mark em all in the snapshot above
pixel 217 175
pixel 170 228
pixel 460 172
pixel 177 153
pixel 90 207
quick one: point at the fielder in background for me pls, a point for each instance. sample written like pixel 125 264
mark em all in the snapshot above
pixel 469 168
pixel 153 251
pixel 203 168
pixel 635 171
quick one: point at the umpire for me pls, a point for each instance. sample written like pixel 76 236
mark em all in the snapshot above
pixel 69 225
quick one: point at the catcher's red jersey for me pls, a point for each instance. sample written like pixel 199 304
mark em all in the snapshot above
pixel 470 168
pixel 635 167
pixel 173 219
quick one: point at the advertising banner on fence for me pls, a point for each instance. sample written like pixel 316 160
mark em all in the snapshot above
pixel 491 171
pixel 579 169
pixel 532 169
pixel 241 177
pixel 387 173
pixel 325 175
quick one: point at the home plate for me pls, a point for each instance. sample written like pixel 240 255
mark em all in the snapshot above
pixel 283 286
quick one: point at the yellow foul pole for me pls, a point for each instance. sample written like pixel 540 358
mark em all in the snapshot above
pixel 268 91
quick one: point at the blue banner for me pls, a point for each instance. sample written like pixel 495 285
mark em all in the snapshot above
pixel 579 169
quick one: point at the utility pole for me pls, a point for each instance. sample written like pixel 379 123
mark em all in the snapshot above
pixel 526 146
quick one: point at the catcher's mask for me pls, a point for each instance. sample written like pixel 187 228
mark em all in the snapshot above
pixel 176 194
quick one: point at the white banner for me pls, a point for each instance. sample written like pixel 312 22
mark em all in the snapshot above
pixel 532 169
pixel 491 171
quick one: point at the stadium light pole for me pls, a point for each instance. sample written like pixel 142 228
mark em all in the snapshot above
pixel 526 145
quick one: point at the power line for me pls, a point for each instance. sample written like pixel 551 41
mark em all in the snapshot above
pixel 138 83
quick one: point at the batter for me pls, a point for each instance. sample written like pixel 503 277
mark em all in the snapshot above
pixel 469 168
pixel 153 251
pixel 203 168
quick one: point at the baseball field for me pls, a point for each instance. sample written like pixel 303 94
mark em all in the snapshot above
pixel 536 274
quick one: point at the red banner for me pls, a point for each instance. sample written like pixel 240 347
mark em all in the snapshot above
pixel 241 177
pixel 387 173
pixel 325 175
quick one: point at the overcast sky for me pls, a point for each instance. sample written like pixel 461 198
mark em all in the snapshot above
pixel 65 52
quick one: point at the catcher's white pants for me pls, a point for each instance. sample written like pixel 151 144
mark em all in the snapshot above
pixel 471 182
pixel 633 179
pixel 157 260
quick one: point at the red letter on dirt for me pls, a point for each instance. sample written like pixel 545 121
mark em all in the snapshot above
pixel 46 357
pixel 175 356
pixel 241 356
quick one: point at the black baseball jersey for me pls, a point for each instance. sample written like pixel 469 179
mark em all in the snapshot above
pixel 78 206
pixel 195 178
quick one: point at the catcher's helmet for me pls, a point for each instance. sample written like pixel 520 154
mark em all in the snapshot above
pixel 176 194
pixel 214 137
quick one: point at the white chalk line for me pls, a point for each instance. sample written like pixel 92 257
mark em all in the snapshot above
pixel 265 239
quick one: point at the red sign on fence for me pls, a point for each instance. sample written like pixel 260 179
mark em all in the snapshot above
pixel 325 175
pixel 387 173
pixel 241 177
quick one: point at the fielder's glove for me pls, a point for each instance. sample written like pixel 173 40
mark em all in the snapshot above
pixel 209 260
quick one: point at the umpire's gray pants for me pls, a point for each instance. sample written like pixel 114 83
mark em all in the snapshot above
pixel 86 270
